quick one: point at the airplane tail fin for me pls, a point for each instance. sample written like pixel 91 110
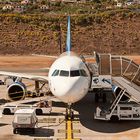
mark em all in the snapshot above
pixel 68 42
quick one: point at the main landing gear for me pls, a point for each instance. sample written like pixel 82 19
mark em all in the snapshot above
pixel 69 113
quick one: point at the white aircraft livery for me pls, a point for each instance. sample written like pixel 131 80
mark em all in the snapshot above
pixel 68 78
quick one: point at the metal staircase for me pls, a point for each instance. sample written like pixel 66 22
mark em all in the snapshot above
pixel 117 100
pixel 125 73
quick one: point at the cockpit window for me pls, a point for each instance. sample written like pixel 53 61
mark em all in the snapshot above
pixel 83 73
pixel 64 73
pixel 55 73
pixel 74 73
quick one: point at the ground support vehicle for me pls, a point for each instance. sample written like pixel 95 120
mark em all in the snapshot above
pixel 11 108
pixel 24 119
pixel 119 110
pixel 42 107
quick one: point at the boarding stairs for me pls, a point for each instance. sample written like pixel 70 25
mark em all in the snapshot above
pixel 125 73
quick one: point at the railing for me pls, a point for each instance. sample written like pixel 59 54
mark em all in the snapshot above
pixel 119 66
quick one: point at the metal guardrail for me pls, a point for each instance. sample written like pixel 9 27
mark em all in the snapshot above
pixel 119 66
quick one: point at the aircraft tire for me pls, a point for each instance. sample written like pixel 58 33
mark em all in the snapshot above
pixel 6 111
pixel 39 112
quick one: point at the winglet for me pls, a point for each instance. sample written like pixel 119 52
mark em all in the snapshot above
pixel 68 43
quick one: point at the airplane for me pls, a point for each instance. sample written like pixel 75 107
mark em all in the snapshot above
pixel 68 79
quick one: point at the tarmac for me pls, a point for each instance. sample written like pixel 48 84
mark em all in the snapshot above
pixel 53 126
pixel 84 127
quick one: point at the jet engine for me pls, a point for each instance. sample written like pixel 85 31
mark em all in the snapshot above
pixel 117 90
pixel 16 91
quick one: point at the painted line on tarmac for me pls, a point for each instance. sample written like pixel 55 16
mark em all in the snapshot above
pixel 69 134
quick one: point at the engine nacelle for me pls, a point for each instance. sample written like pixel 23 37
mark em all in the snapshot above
pixel 16 91
pixel 117 90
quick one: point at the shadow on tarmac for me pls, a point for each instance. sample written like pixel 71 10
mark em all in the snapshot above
pixel 39 132
pixel 58 104
pixel 3 124
pixel 86 108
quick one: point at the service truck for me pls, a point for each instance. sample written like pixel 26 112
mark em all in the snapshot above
pixel 123 111
pixel 9 109
pixel 42 107
pixel 24 119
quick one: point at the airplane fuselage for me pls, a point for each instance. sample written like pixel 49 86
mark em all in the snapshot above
pixel 69 78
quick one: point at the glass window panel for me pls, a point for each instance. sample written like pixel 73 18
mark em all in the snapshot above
pixel 64 73
pixel 83 73
pixel 55 73
pixel 74 73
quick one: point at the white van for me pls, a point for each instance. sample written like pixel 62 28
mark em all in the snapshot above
pixel 24 119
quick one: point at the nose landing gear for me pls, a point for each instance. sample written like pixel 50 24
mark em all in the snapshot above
pixel 69 113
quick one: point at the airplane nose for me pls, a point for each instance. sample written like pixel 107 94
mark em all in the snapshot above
pixel 63 88
pixel 70 91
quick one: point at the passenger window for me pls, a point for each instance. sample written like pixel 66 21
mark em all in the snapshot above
pixel 74 73
pixel 64 73
pixel 55 73
pixel 83 73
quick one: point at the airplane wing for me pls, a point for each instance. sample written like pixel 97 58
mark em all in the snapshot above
pixel 26 76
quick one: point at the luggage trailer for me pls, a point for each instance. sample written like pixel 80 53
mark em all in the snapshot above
pixel 119 111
